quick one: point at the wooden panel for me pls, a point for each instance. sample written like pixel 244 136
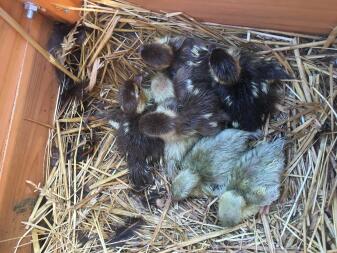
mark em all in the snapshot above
pixel 49 8
pixel 307 16
pixel 28 91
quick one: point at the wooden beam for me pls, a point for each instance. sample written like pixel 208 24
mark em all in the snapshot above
pixel 305 16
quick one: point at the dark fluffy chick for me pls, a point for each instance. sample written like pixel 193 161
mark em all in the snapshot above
pixel 182 116
pixel 192 111
pixel 169 54
pixel 246 85
pixel 141 151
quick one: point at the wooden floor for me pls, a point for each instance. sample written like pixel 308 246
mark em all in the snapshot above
pixel 27 93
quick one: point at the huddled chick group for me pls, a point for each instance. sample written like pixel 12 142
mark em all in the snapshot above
pixel 244 178
pixel 201 115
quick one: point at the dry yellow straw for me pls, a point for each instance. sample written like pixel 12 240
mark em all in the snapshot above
pixel 87 201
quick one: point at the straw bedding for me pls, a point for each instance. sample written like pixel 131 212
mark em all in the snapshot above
pixel 86 203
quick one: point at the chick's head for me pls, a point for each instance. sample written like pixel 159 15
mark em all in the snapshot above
pixel 131 96
pixel 230 208
pixel 157 124
pixel 184 184
pixel 224 68
pixel 161 123
pixel 158 56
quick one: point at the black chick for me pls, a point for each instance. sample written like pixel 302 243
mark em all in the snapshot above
pixel 141 151
pixel 161 54
pixel 246 85
pixel 169 54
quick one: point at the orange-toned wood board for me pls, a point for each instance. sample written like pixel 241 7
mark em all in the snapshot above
pixel 306 16
pixel 28 91
pixel 52 9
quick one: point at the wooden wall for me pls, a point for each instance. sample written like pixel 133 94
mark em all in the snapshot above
pixel 306 16
pixel 49 8
pixel 28 91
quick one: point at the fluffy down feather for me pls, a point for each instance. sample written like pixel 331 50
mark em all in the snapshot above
pixel 227 166
pixel 182 116
pixel 192 111
pixel 245 83
pixel 140 150
pixel 250 94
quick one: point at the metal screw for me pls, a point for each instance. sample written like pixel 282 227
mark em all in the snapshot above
pixel 30 8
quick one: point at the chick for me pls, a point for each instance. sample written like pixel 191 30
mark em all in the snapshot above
pixel 225 165
pixel 246 85
pixel 140 150
pixel 233 209
pixel 162 88
pixel 254 184
pixel 159 124
pixel 183 110
pixel 161 54
pixel 243 81
pixel 183 115
pixel 163 92
pixel 169 54
pixel 201 170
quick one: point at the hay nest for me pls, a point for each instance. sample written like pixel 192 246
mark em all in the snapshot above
pixel 86 203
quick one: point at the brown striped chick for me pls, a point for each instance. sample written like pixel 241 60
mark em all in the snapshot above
pixel 141 150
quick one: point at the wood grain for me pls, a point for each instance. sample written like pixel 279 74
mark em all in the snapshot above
pixel 306 16
pixel 49 8
pixel 28 90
